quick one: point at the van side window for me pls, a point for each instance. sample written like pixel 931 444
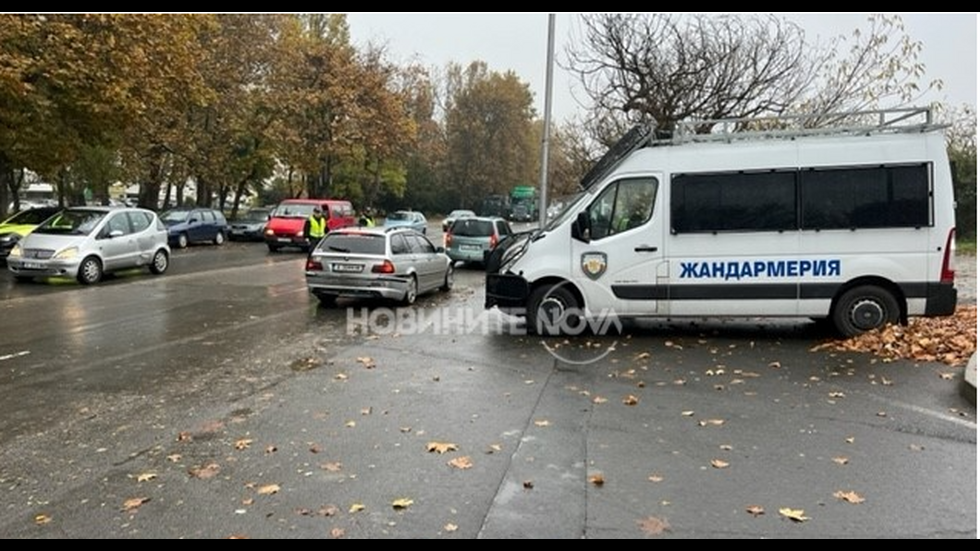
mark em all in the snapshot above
pixel 866 197
pixel 733 201
pixel 623 206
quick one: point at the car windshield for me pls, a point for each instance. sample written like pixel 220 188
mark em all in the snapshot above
pixel 72 222
pixel 294 210
pixel 400 216
pixel 354 243
pixel 256 216
pixel 473 228
pixel 175 216
pixel 30 217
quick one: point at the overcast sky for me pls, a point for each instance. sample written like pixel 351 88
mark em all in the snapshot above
pixel 518 42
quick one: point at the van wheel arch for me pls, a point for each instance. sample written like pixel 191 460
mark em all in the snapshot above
pixel 550 287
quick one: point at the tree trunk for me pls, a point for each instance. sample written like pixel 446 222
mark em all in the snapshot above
pixel 6 176
pixel 149 195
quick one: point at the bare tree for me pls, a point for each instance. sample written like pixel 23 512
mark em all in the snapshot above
pixel 665 68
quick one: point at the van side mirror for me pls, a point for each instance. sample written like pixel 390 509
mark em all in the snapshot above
pixel 582 228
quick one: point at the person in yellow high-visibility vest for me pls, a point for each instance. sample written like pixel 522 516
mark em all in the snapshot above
pixel 315 227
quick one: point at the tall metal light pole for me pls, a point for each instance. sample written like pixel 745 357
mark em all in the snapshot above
pixel 546 134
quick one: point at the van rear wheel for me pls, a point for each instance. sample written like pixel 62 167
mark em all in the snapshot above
pixel 863 309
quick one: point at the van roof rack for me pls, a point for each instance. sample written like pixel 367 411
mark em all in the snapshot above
pixel 878 121
pixel 853 123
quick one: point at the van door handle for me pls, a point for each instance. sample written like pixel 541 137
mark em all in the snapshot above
pixel 645 249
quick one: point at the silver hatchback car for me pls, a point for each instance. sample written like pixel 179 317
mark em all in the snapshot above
pixel 394 263
pixel 87 242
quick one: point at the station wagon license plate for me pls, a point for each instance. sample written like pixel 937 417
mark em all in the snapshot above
pixel 348 268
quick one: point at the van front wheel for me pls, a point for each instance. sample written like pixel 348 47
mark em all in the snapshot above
pixel 863 309
pixel 554 311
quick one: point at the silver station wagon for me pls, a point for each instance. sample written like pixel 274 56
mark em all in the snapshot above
pixel 87 242
pixel 394 263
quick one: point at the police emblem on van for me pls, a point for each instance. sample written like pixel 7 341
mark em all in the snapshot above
pixel 594 264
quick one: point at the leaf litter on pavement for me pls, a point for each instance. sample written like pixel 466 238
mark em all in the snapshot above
pixel 950 339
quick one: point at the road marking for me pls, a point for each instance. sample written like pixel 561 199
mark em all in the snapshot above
pixel 16 355
pixel 927 412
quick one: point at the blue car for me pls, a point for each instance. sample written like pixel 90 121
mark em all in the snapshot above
pixel 407 219
pixel 195 225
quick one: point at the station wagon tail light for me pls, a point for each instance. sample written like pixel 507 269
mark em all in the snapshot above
pixel 449 240
pixel 948 275
pixel 384 268
pixel 313 265
pixel 493 241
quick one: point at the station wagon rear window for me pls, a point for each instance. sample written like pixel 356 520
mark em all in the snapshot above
pixel 352 243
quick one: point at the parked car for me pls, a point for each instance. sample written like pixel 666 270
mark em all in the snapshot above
pixel 285 226
pixel 396 264
pixel 87 242
pixel 251 226
pixel 17 226
pixel 456 215
pixel 470 239
pixel 407 219
pixel 195 225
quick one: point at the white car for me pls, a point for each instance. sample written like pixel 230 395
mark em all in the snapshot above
pixel 454 216
pixel 86 242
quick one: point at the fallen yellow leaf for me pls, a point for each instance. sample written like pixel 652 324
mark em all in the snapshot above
pixel 441 447
pixel 719 464
pixel 599 400
pixel 851 497
pixel 687 413
pixel 403 503
pixel 41 519
pixel 655 478
pixel 461 463
pixel 755 510
pixel 268 490
pixel 495 448
pixel 134 503
pixel 542 423
pixel 145 477
pixel 356 508
pixel 841 460
pixel 332 467
pixel 450 527
pixel 243 444
pixel 350 424
pixel 337 533
pixel 711 422
pixel 653 526
pixel 631 400
pixel 642 356
pixel 367 362
pixel 174 458
pixel 597 479
pixel 205 472
pixel 796 515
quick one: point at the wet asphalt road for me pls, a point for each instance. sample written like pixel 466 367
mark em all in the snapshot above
pixel 219 401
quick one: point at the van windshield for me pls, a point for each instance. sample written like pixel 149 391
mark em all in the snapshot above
pixel 569 209
pixel 294 210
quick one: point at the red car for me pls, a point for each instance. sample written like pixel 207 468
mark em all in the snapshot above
pixel 285 227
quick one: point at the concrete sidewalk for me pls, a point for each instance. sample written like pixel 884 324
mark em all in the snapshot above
pixel 970 380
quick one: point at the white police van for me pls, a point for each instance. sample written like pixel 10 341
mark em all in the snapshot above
pixel 761 217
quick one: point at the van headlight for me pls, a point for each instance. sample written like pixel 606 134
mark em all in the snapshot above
pixel 67 254
pixel 16 252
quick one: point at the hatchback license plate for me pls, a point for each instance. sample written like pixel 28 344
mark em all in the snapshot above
pixel 348 268
pixel 471 248
pixel 33 266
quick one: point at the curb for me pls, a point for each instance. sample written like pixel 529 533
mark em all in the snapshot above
pixel 969 386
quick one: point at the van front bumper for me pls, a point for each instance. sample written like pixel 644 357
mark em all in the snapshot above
pixel 508 292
